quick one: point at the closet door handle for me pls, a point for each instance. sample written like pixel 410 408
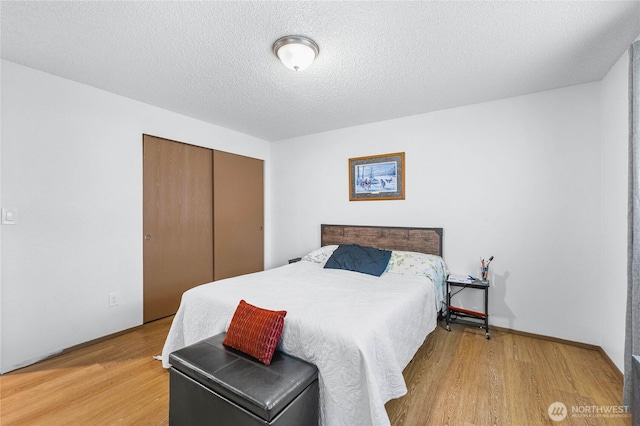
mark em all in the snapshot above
pixel 147 237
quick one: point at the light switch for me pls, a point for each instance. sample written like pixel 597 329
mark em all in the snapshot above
pixel 9 216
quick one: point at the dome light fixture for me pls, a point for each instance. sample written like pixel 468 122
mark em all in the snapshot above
pixel 296 52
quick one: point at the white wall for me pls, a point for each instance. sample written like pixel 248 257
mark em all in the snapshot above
pixel 0 226
pixel 517 178
pixel 613 257
pixel 72 167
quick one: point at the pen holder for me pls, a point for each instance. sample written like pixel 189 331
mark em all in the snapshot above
pixel 484 269
pixel 484 272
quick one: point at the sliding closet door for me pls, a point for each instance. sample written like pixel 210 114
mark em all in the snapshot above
pixel 238 204
pixel 178 223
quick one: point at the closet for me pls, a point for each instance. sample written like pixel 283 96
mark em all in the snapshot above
pixel 238 215
pixel 203 218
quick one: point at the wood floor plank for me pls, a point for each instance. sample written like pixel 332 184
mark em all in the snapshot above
pixel 510 379
pixel 455 378
pixel 112 382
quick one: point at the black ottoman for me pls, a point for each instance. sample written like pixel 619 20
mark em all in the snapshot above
pixel 211 384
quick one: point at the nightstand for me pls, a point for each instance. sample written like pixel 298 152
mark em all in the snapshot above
pixel 468 317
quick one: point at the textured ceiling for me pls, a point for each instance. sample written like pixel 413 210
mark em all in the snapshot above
pixel 377 61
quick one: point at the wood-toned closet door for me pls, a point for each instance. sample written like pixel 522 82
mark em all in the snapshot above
pixel 238 204
pixel 178 223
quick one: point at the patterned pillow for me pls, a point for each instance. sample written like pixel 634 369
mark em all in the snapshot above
pixel 412 263
pixel 428 265
pixel 255 331
pixel 320 255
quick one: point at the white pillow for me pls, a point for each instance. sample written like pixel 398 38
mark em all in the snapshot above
pixel 320 255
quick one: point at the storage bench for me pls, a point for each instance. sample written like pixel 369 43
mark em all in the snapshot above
pixel 211 384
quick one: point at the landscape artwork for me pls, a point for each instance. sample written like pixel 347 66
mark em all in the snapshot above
pixel 377 177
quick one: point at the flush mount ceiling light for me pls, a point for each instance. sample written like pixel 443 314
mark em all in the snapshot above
pixel 296 52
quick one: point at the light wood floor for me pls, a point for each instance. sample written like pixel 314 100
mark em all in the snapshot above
pixel 456 378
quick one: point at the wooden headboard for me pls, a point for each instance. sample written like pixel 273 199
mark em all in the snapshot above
pixel 421 240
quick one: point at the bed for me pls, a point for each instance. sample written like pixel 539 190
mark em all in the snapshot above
pixel 360 330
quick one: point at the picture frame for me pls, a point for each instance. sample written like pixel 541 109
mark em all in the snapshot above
pixel 377 177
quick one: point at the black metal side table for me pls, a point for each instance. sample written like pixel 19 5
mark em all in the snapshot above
pixel 468 317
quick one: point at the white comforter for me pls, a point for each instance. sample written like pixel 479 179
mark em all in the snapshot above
pixel 361 331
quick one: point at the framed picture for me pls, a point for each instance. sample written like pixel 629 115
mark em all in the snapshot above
pixel 377 177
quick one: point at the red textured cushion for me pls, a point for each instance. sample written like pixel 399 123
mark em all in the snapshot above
pixel 255 331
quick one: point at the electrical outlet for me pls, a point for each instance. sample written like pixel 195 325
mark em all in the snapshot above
pixel 9 216
pixel 114 299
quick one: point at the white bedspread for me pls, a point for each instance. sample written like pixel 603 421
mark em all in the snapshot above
pixel 361 331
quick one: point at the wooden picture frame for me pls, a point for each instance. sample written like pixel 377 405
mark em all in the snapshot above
pixel 377 177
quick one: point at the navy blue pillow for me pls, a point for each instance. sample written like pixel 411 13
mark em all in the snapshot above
pixel 354 257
